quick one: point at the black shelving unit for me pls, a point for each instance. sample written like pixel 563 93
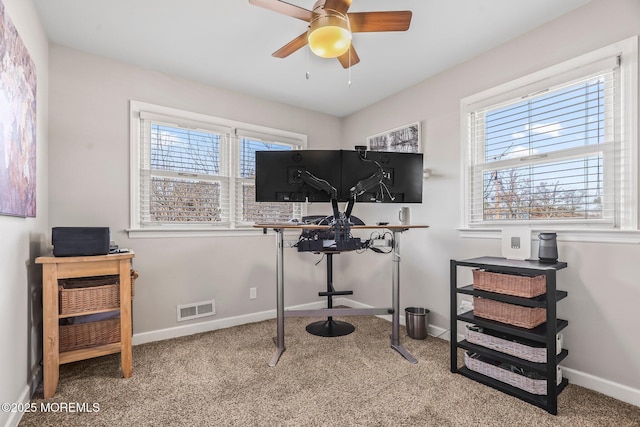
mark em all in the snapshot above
pixel 544 334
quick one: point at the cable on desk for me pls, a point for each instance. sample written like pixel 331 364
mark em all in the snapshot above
pixel 375 235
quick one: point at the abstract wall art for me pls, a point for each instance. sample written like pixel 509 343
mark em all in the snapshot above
pixel 17 123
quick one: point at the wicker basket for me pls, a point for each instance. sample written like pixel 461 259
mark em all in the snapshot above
pixel 523 351
pixel 532 385
pixel 524 317
pixel 73 337
pixel 520 286
pixel 91 293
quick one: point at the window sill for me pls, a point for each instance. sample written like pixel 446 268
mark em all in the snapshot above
pixel 150 233
pixel 564 234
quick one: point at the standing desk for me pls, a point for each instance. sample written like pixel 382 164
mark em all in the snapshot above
pixel 281 313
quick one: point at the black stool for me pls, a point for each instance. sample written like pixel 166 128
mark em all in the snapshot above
pixel 330 327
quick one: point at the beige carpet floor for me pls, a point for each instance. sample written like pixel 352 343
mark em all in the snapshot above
pixel 222 378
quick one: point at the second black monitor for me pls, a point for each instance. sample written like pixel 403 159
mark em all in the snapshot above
pixel 401 176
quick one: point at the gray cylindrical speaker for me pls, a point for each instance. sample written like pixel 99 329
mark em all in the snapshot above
pixel 548 248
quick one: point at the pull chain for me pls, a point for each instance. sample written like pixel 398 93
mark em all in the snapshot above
pixel 307 74
pixel 349 83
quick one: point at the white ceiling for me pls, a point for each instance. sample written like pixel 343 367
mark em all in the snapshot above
pixel 228 43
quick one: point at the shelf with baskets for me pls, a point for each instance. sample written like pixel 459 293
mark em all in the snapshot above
pixel 86 304
pixel 512 341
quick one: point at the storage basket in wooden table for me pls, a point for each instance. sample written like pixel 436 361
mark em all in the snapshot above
pixel 532 385
pixel 90 334
pixel 88 294
pixel 523 351
pixel 509 284
pixel 517 315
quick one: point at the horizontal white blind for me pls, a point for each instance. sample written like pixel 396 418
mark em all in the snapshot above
pixel 247 209
pixel 183 122
pixel 183 175
pixel 286 140
pixel 548 155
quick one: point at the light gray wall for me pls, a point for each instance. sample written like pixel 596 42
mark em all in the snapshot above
pixel 89 176
pixel 602 279
pixel 89 185
pixel 23 239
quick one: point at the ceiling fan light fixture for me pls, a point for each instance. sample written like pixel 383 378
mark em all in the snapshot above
pixel 329 35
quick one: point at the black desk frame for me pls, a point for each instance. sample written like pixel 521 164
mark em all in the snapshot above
pixel 281 313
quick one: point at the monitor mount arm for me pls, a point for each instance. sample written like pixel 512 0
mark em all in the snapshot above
pixel 340 224
pixel 363 186
pixel 320 184
pixel 367 184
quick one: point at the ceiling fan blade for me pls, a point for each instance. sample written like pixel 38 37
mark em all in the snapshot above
pixel 284 8
pixel 344 58
pixel 291 47
pixel 338 5
pixel 363 22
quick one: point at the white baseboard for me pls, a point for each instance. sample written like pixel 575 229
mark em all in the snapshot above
pixel 433 331
pixel 601 385
pixel 583 379
pixel 212 325
pixel 24 398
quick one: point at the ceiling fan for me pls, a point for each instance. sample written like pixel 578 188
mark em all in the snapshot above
pixel 330 27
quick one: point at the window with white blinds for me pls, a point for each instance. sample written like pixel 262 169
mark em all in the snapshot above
pixel 184 178
pixel 252 211
pixel 198 172
pixel 550 152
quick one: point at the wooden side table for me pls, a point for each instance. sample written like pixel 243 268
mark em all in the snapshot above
pixel 55 268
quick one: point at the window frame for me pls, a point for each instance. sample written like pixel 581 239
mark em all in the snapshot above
pixel 626 227
pixel 230 129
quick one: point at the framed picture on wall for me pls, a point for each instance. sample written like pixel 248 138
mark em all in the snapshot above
pixel 405 139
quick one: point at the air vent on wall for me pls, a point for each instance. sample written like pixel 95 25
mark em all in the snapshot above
pixel 196 309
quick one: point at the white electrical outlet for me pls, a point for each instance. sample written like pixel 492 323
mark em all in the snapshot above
pixel 516 242
pixel 253 293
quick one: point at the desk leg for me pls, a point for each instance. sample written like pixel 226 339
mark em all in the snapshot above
pixel 395 324
pixel 50 346
pixel 280 348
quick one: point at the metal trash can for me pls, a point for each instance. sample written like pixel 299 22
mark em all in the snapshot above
pixel 416 321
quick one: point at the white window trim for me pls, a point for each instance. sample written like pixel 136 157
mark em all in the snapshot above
pixel 201 121
pixel 628 231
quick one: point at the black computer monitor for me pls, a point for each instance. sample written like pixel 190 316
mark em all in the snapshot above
pixel 297 176
pixel 402 175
